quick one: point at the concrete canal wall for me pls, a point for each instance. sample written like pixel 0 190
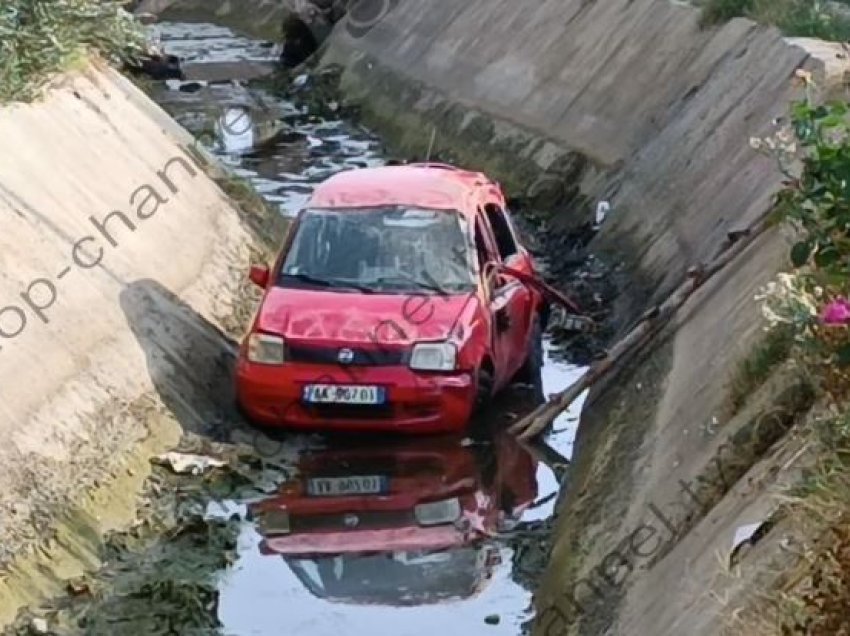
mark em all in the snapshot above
pixel 632 102
pixel 122 265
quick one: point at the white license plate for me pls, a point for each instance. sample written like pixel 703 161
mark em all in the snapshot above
pixel 341 486
pixel 344 394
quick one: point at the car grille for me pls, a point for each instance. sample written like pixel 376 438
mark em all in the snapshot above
pixel 310 354
pixel 351 411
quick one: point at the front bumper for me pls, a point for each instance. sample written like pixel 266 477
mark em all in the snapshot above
pixel 416 402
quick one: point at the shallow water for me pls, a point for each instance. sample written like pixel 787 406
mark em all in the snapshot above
pixel 344 544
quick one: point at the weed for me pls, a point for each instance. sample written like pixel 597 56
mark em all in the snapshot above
pixel 814 598
pixel 773 349
pixel 803 18
pixel 39 38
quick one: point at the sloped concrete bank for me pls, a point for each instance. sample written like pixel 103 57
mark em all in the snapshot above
pixel 628 101
pixel 122 276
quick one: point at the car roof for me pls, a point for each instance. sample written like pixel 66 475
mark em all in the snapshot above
pixel 431 185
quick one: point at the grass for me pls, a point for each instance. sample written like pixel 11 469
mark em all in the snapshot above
pixel 39 38
pixel 814 599
pixel 801 18
pixel 755 369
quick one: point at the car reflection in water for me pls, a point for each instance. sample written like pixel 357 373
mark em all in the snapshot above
pixel 406 524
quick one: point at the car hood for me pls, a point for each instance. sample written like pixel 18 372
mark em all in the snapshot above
pixel 364 318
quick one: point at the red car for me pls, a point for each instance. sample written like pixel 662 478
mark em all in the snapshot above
pixel 399 524
pixel 388 308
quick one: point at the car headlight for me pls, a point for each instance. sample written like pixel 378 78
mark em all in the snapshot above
pixel 437 513
pixel 265 349
pixel 434 356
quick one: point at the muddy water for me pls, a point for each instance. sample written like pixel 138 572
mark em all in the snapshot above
pixel 405 537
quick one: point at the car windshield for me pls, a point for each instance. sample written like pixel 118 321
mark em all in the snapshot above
pixel 380 250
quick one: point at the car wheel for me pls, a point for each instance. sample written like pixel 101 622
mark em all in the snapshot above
pixel 484 390
pixel 529 373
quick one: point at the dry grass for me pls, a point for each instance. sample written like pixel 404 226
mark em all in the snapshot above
pixel 815 599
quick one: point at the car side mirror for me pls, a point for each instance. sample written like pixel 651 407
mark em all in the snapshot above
pixel 259 275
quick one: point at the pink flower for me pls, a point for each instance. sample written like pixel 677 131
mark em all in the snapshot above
pixel 836 312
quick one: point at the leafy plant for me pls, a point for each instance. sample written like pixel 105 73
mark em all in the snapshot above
pixel 818 203
pixel 802 18
pixel 39 38
pixel 814 154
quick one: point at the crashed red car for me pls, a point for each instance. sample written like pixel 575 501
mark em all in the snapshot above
pixel 389 309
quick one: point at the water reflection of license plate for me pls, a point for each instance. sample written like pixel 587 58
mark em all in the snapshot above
pixel 343 394
pixel 341 486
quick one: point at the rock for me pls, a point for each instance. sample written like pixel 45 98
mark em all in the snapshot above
pixel 493 619
pixel 39 625
pixel 78 587
pixel 190 87
pixel 159 67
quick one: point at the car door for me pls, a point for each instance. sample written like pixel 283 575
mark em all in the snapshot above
pixel 511 301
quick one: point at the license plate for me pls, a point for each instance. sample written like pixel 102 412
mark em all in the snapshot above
pixel 344 394
pixel 341 486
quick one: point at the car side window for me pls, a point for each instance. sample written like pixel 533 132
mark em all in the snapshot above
pixel 487 253
pixel 481 248
pixel 502 231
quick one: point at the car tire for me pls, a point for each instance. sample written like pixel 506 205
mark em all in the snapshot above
pixel 529 372
pixel 484 389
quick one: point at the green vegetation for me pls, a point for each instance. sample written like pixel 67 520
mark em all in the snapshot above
pixel 771 351
pixel 160 576
pixel 39 38
pixel 812 300
pixel 812 303
pixel 804 18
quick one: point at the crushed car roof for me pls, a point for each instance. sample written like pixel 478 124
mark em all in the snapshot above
pixel 435 186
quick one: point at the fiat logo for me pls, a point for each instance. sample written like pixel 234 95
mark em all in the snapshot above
pixel 346 356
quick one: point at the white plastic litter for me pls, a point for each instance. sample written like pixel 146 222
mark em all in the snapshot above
pixel 185 463
pixel 744 533
pixel 602 210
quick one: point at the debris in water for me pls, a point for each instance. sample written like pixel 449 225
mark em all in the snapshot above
pixel 184 463
pixel 78 587
pixel 602 211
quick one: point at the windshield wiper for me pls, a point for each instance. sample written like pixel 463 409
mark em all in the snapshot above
pixel 418 282
pixel 336 283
